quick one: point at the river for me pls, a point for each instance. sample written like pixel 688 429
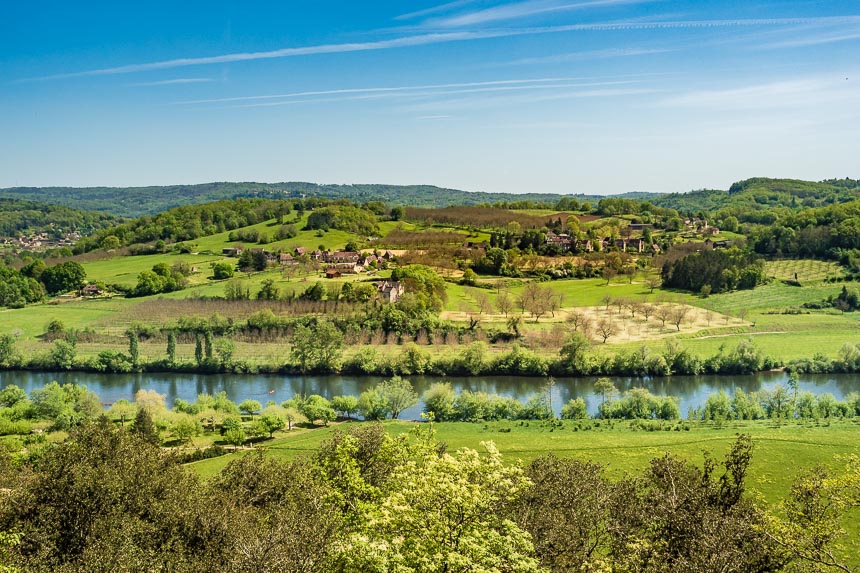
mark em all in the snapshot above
pixel 692 390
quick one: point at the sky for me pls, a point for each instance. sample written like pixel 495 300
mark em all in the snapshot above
pixel 549 96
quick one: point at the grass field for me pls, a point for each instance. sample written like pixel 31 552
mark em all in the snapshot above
pixel 803 270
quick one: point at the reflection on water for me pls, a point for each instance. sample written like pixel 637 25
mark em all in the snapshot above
pixel 692 390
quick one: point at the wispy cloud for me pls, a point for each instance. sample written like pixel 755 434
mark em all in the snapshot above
pixel 779 94
pixel 435 9
pixel 346 91
pixel 175 81
pixel 586 55
pixel 413 93
pixel 482 102
pixel 829 37
pixel 445 37
pixel 518 10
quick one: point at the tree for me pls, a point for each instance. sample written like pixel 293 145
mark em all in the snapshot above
pixel 269 291
pixel 346 405
pixel 605 388
pixel 122 409
pixel 654 282
pixel 567 512
pixel 208 346
pixel 139 495
pixel 504 303
pixel 574 351
pixel 606 327
pixel 608 273
pixel 536 300
pixel 469 278
pixel 225 348
pixel 575 409
pixel 371 404
pixel 678 314
pixel 7 350
pixel 222 270
pixel 663 313
pixel 514 323
pixel 236 290
pixel 316 407
pixel 63 355
pixel 235 436
pixel 144 427
pixel 149 400
pixel 438 514
pixel 64 277
pixel 398 395
pixel 186 427
pixel 198 349
pixel 811 528
pixel 269 423
pixel 482 301
pixel 171 348
pixel 318 347
pixel 12 395
pixel 133 348
pixel 248 407
pixel 440 401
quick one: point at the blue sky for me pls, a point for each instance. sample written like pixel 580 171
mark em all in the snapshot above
pixel 563 96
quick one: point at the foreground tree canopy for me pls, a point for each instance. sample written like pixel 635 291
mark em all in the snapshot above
pixel 108 500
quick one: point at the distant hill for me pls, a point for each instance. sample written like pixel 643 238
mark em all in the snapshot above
pixel 751 194
pixel 761 193
pixel 139 201
pixel 21 217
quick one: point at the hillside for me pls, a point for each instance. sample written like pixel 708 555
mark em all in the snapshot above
pixel 139 201
pixel 762 193
pixel 20 217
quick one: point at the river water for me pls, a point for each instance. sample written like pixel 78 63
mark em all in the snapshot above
pixel 692 390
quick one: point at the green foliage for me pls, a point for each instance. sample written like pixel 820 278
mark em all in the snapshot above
pixel 640 404
pixel 344 218
pixel 17 290
pixel 317 408
pixel 8 354
pixel 316 347
pixel 347 406
pixel 63 277
pixel 398 395
pixel 269 291
pixel 440 401
pixel 437 514
pixel 575 409
pixel 222 270
pixel 425 287
pixel 249 407
pixel 719 269
pixel 66 406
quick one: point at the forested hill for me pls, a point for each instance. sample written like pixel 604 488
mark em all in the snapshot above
pixel 760 193
pixel 29 217
pixel 750 194
pixel 138 201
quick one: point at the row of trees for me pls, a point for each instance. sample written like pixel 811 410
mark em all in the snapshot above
pixel 369 501
pixel 35 280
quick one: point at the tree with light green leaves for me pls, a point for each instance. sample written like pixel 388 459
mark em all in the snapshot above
pixel 438 514
pixel 398 395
